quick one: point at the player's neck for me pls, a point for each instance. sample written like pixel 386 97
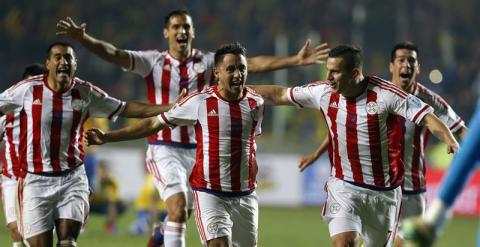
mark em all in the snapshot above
pixel 358 89
pixel 180 55
pixel 57 86
pixel 405 87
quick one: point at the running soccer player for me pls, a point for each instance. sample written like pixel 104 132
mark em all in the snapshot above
pixel 52 186
pixel 226 119
pixel 405 66
pixel 364 193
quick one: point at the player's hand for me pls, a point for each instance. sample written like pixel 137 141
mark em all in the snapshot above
pixel 308 55
pixel 306 161
pixel 453 148
pixel 95 136
pixel 417 233
pixel 180 96
pixel 70 29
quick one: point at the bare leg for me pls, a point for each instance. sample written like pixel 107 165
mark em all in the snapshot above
pixel 346 239
pixel 44 239
pixel 67 232
pixel 218 242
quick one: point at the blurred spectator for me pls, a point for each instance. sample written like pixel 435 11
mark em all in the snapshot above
pixel 105 199
pixel 148 207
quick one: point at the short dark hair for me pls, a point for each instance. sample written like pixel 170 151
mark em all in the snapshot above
pixel 403 45
pixel 34 69
pixel 350 54
pixel 176 12
pixel 232 48
pixel 60 43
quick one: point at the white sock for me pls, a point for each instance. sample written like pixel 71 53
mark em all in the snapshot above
pixel 18 244
pixel 437 214
pixel 174 234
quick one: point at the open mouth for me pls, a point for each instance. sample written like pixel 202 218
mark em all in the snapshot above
pixel 406 75
pixel 63 70
pixel 182 40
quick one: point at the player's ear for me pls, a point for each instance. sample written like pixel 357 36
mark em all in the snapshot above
pixel 418 69
pixel 165 33
pixel 193 32
pixel 391 67
pixel 215 72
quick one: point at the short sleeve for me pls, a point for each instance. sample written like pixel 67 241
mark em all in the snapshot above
pixel 142 62
pixel 182 114
pixel 406 105
pixel 104 106
pixel 11 100
pixel 447 115
pixel 307 95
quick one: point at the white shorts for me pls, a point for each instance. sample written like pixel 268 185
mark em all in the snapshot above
pixel 373 214
pixel 233 217
pixel 44 199
pixel 9 195
pixel 412 205
pixel 171 168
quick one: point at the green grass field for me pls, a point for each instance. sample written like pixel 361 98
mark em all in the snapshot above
pixel 279 227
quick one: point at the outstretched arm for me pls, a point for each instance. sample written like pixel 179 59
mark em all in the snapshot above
pixel 139 129
pixel 440 131
pixel 309 159
pixel 273 95
pixel 305 56
pixel 142 110
pixel 68 28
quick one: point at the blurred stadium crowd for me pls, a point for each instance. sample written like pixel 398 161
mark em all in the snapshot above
pixel 444 31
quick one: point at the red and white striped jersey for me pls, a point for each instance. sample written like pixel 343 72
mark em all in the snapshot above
pixel 364 132
pixel 415 137
pixel 165 77
pixel 50 123
pixel 11 137
pixel 225 131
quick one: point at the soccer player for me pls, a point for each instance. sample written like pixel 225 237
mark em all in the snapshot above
pixel 11 171
pixel 52 186
pixel 225 118
pixel 423 232
pixel 363 191
pixel 404 66
pixel 173 151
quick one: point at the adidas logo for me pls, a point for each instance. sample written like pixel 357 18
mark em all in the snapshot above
pixel 37 102
pixel 212 113
pixel 334 105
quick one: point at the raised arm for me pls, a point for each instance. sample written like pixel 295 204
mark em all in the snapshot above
pixel 305 56
pixel 309 159
pixel 273 95
pixel 68 28
pixel 139 129
pixel 440 131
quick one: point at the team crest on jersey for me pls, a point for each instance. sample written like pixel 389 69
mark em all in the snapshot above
pixel 166 67
pixel 335 208
pixel 77 104
pixel 199 67
pixel 371 107
pixel 212 228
